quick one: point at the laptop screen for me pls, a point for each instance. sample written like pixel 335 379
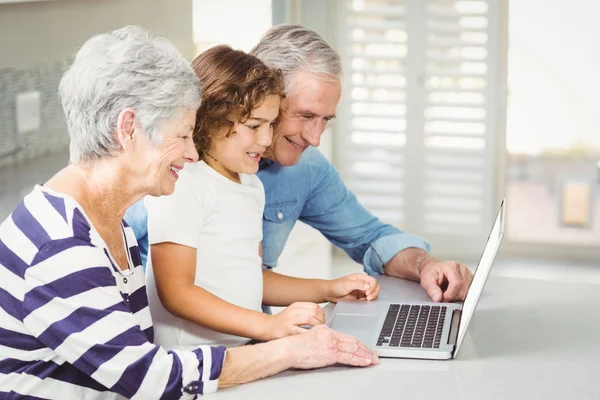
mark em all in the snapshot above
pixel 481 274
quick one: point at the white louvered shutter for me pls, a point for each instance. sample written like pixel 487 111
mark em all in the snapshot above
pixel 373 112
pixel 419 141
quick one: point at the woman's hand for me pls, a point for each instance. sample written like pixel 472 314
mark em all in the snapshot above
pixel 321 346
pixel 289 321
pixel 354 287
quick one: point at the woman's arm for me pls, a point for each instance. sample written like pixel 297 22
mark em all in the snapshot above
pixel 315 348
pixel 73 307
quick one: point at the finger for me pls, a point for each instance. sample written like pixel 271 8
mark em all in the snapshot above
pixel 296 330
pixel 375 294
pixel 372 284
pixel 356 350
pixel 307 320
pixel 352 285
pixel 309 309
pixel 429 283
pixel 356 353
pixel 455 282
pixel 304 305
pixel 467 277
pixel 351 359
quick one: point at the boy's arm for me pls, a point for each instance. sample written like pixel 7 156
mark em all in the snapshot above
pixel 174 268
pixel 283 290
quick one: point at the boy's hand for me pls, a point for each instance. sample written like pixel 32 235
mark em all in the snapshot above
pixel 289 321
pixel 355 287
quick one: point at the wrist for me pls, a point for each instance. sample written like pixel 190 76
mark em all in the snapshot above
pixel 289 350
pixel 325 290
pixel 265 333
pixel 424 260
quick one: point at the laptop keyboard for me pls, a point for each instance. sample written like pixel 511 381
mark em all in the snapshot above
pixel 413 326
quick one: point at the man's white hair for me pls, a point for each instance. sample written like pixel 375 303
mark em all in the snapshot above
pixel 121 69
pixel 294 48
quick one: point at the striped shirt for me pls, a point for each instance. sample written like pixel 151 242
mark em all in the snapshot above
pixel 73 325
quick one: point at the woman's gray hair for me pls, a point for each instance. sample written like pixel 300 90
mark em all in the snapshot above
pixel 121 69
pixel 293 48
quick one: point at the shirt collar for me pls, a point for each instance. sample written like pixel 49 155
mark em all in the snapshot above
pixel 264 163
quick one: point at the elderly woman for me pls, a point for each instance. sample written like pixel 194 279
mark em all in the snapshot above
pixel 74 318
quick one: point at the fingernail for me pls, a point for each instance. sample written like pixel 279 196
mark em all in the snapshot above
pixel 366 286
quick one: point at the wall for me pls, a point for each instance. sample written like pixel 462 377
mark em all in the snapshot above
pixel 37 40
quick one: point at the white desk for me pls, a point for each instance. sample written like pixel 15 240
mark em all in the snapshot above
pixel 529 339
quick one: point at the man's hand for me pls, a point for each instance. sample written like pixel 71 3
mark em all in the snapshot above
pixel 322 346
pixel 445 280
pixel 288 321
pixel 354 287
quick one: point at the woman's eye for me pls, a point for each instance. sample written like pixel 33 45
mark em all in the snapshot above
pixel 253 127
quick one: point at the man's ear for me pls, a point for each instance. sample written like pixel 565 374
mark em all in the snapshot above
pixel 126 128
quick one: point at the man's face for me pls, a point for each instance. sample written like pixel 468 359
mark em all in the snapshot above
pixel 305 114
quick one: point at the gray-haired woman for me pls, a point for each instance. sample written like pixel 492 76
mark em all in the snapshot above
pixel 74 319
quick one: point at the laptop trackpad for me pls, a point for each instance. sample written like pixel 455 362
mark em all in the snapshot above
pixel 360 326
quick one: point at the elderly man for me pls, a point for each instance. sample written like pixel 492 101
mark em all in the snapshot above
pixel 301 184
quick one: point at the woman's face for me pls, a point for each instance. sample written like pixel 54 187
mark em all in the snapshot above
pixel 241 151
pixel 164 161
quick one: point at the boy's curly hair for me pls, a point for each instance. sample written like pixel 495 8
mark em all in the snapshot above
pixel 233 83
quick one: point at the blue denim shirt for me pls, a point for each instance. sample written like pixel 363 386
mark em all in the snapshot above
pixel 313 192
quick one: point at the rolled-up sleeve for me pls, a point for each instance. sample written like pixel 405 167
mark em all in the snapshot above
pixel 384 249
pixel 335 211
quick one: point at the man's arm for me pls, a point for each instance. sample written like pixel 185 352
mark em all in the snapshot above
pixel 334 210
pixel 443 280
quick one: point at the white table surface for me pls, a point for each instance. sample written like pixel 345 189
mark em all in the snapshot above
pixel 528 339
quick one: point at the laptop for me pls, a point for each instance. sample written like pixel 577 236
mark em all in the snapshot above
pixel 426 330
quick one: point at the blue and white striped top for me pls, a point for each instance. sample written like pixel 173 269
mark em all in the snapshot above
pixel 73 325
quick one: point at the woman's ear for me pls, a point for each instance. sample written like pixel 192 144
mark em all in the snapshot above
pixel 126 128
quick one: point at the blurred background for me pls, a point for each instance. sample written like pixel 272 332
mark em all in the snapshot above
pixel 448 106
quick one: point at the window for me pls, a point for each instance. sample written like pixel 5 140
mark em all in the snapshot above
pixel 418 136
pixel 238 23
pixel 553 139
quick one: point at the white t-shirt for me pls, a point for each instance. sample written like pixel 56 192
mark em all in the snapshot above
pixel 222 220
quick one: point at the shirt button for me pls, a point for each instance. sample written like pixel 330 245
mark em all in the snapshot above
pixel 280 215
pixel 124 280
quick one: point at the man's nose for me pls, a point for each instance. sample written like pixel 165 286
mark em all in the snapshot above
pixel 312 133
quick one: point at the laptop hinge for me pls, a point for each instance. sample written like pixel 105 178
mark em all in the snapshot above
pixel 454 327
